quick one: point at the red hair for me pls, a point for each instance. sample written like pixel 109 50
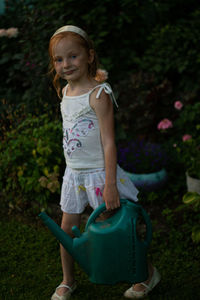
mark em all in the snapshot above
pixel 87 45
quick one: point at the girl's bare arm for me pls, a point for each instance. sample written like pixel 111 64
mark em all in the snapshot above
pixel 104 110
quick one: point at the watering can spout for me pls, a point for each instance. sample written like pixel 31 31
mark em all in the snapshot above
pixel 64 238
pixel 76 246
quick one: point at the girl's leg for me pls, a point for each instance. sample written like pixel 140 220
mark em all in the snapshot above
pixel 68 221
pixel 139 287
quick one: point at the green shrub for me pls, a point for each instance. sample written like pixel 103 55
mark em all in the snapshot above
pixel 173 51
pixel 142 37
pixel 192 201
pixel 126 43
pixel 141 103
pixel 188 120
pixel 31 162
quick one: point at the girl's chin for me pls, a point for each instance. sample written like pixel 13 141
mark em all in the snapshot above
pixel 69 75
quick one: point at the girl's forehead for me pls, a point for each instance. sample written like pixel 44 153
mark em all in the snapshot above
pixel 67 44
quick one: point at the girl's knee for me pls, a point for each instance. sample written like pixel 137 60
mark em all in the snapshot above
pixel 68 221
pixel 67 228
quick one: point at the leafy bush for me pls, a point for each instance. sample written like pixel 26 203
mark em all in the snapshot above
pixel 192 200
pixel 189 154
pixel 183 135
pixel 141 28
pixel 188 120
pixel 174 52
pixel 31 160
pixel 141 104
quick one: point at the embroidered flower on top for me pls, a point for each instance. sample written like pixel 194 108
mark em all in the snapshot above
pixel 72 145
pixel 81 128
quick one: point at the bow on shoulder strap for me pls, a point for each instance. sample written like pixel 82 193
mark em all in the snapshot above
pixel 108 90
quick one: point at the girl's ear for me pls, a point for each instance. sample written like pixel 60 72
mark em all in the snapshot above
pixel 91 56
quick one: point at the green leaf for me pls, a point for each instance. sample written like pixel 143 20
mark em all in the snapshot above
pixel 191 198
pixel 196 234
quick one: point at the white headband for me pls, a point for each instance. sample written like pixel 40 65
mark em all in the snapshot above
pixel 74 29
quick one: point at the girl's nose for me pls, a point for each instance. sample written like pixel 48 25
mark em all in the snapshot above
pixel 66 63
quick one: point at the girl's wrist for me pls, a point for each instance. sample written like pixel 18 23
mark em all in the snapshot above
pixel 111 183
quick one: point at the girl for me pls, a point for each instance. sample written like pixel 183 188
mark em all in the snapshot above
pixel 92 174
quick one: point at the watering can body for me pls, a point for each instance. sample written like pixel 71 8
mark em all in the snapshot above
pixel 109 251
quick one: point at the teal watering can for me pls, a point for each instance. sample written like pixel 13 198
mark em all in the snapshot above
pixel 109 251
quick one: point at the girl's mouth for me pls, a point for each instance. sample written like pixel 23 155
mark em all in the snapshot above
pixel 68 72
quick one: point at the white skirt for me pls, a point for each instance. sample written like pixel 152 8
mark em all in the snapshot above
pixel 83 187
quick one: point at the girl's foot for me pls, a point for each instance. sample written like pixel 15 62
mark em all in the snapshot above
pixel 64 291
pixel 140 290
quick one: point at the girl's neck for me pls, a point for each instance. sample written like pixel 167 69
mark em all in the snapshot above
pixel 78 88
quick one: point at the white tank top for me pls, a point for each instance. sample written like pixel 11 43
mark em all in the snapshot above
pixel 81 133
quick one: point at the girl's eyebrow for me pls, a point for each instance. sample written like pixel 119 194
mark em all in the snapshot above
pixel 56 56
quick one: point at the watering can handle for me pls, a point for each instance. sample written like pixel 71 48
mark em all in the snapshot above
pixel 98 211
pixel 147 220
pixel 148 226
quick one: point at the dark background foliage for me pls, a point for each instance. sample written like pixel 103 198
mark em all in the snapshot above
pixel 159 37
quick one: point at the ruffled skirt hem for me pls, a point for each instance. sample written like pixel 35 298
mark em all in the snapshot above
pixel 83 187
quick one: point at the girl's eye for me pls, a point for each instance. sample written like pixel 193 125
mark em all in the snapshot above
pixel 73 56
pixel 58 59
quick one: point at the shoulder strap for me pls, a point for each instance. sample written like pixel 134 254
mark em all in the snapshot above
pixel 107 89
pixel 65 90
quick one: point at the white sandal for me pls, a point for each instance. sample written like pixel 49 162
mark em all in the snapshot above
pixel 131 294
pixel 65 296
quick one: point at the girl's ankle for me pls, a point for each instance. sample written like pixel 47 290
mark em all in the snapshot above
pixel 68 282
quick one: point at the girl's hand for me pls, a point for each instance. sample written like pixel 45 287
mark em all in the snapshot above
pixel 111 196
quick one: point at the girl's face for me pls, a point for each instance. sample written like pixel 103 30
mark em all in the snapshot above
pixel 71 59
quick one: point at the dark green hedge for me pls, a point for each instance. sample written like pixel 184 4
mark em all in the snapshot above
pixel 32 163
pixel 130 35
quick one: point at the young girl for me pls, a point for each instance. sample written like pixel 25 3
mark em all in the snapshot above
pixel 92 175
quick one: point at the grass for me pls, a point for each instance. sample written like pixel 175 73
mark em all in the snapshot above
pixel 30 265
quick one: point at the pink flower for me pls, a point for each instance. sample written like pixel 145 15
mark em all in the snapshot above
pixel 30 65
pixel 3 32
pixel 101 75
pixel 186 137
pixel 178 105
pixel 12 32
pixel 165 124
